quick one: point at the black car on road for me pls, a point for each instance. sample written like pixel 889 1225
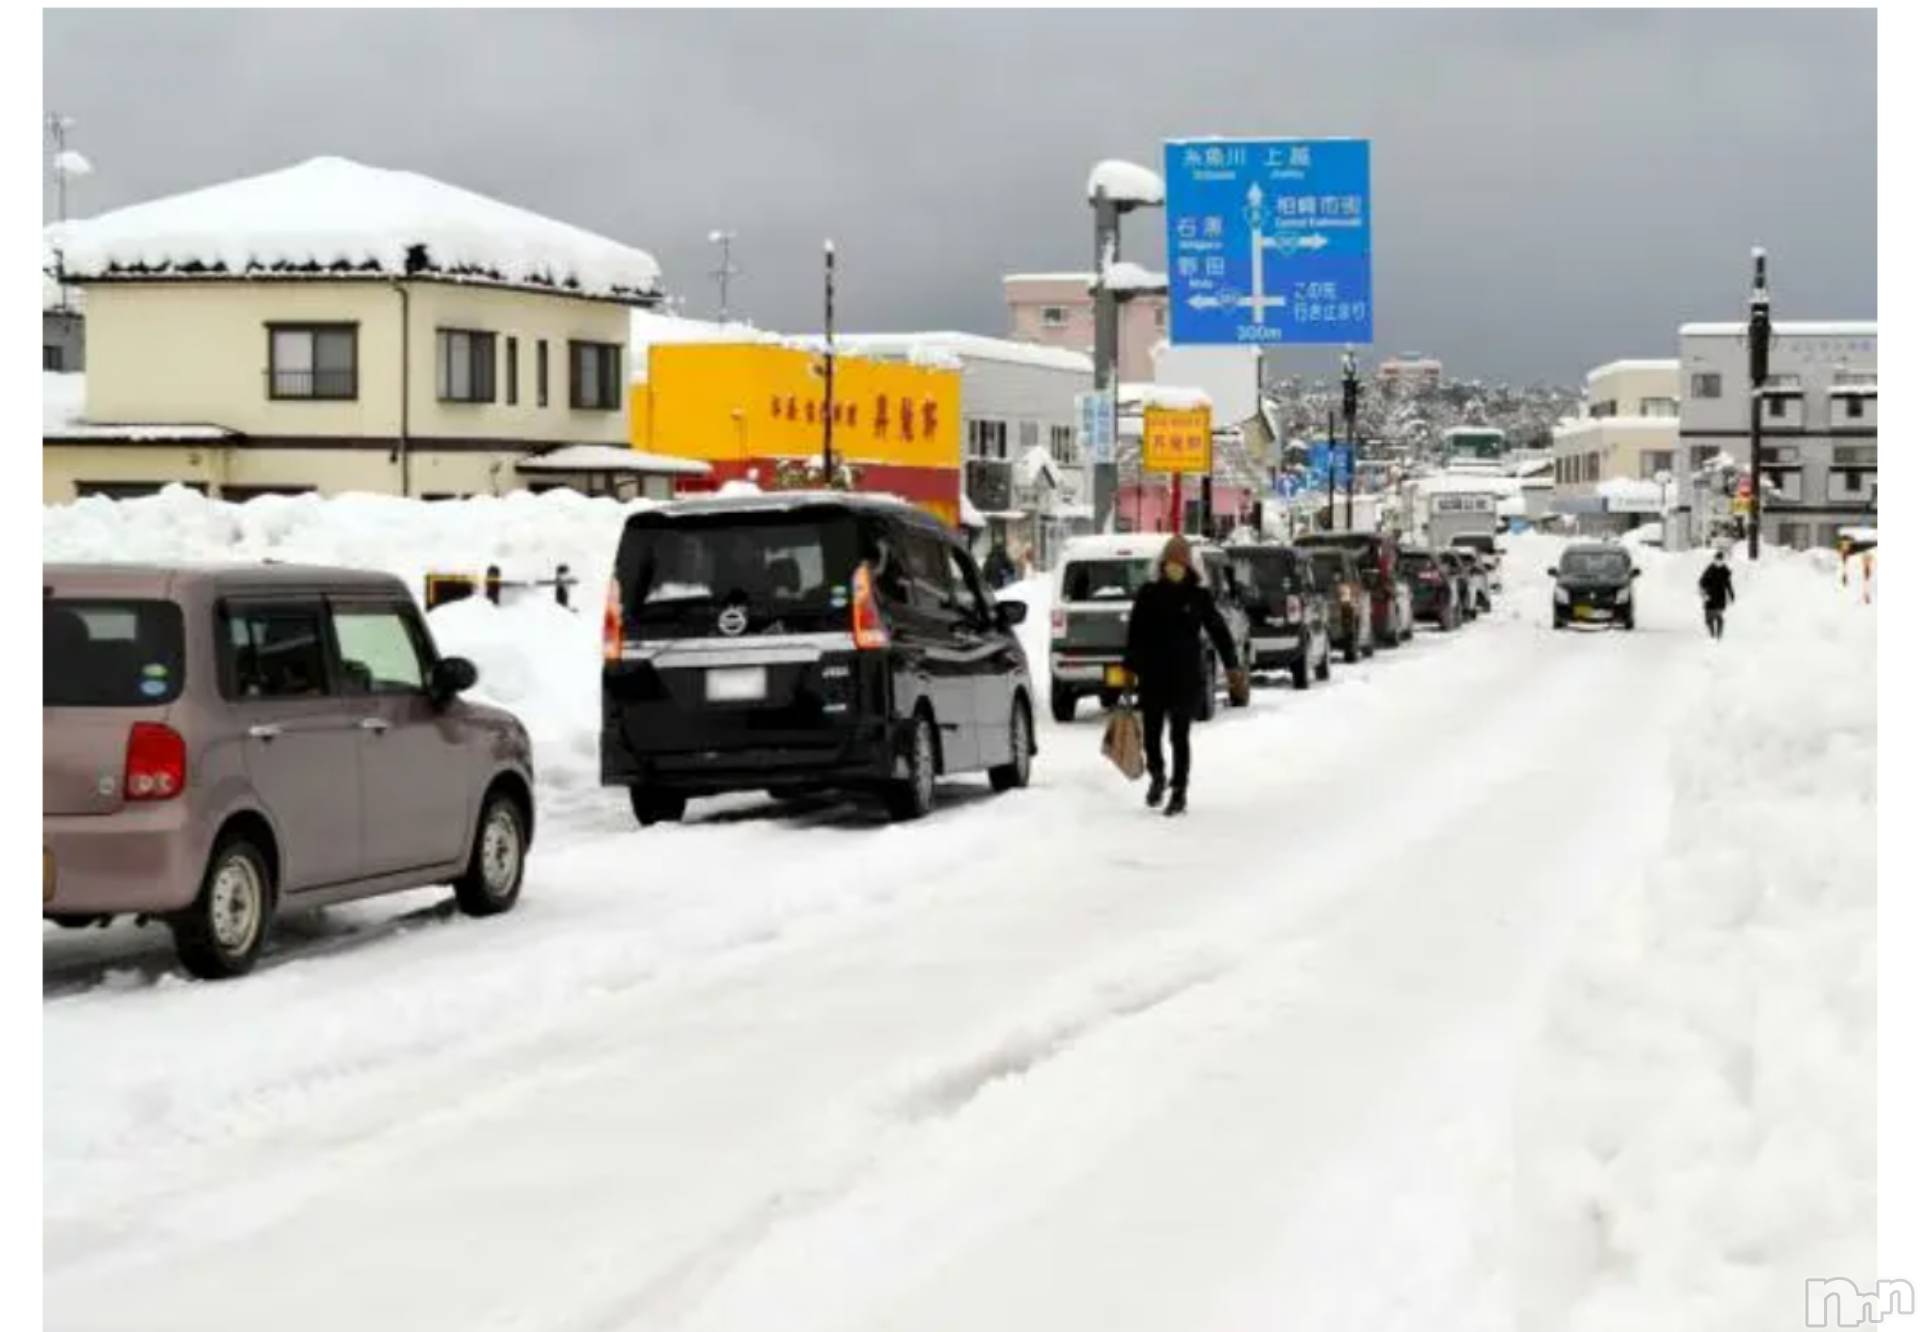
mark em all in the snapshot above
pixel 1286 612
pixel 800 641
pixel 1593 584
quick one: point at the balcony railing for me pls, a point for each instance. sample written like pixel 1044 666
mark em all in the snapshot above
pixel 323 384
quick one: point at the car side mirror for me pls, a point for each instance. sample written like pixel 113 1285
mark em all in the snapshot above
pixel 452 676
pixel 1010 613
pixel 1552 572
pixel 1634 574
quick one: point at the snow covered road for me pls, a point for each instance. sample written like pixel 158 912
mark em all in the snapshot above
pixel 1044 1061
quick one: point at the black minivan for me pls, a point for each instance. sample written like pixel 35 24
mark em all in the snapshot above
pixel 801 641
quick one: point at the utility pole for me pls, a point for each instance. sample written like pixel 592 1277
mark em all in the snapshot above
pixel 1350 406
pixel 726 272
pixel 1333 464
pixel 826 416
pixel 1759 344
pixel 1106 350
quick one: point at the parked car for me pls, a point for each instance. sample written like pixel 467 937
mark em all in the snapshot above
pixel 1479 582
pixel 1593 583
pixel 1488 551
pixel 801 641
pixel 1287 610
pixel 223 745
pixel 1460 569
pixel 1092 598
pixel 1349 610
pixel 1378 555
pixel 1436 597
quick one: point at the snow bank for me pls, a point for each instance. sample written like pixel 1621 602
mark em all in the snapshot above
pixel 1697 1133
pixel 331 214
pixel 1125 182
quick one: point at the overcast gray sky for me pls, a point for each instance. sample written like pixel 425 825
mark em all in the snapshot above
pixel 1551 190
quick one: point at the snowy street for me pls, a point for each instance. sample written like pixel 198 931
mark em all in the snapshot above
pixel 1337 1051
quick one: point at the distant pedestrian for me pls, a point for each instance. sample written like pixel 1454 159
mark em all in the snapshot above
pixel 1170 613
pixel 998 568
pixel 1716 592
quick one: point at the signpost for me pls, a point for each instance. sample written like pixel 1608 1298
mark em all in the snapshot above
pixel 1269 241
pixel 1177 441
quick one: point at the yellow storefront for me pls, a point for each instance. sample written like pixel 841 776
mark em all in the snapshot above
pixel 756 411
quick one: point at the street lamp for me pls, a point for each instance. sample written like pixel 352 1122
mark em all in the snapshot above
pixel 1350 408
pixel 1113 189
pixel 1759 344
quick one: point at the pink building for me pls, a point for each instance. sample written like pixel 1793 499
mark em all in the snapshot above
pixel 1056 310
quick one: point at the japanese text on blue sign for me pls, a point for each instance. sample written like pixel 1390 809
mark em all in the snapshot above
pixel 1269 241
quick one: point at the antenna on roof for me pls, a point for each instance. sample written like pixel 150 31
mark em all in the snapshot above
pixel 727 270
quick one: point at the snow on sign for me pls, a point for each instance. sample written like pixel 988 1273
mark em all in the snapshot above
pixel 1269 241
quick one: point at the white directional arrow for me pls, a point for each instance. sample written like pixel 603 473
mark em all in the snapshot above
pixel 1313 242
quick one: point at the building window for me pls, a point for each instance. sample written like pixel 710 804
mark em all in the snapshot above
pixel 1659 407
pixel 313 361
pixel 52 356
pixel 1780 453
pixel 1706 386
pixel 540 374
pixel 1605 407
pixel 595 376
pixel 1776 407
pixel 513 372
pixel 1053 316
pixel 986 439
pixel 1853 487
pixel 1061 439
pixel 465 366
pixel 1856 405
pixel 1786 484
pixel 1593 467
pixel 1702 455
pixel 1655 461
pixel 1856 455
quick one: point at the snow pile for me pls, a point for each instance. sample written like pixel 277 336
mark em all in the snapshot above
pixel 333 215
pixel 1125 182
pixel 63 401
pixel 1696 1130
pixel 1125 275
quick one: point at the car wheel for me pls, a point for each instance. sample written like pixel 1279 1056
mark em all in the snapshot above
pixel 1302 678
pixel 1209 689
pixel 910 797
pixel 1324 671
pixel 68 920
pixel 491 884
pixel 224 930
pixel 1626 622
pixel 1351 653
pixel 651 807
pixel 1013 775
pixel 1064 702
pixel 1559 622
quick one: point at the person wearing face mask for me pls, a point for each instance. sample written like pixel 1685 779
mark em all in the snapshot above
pixel 1170 612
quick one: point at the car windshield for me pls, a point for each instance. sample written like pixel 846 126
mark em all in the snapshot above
pixel 111 653
pixel 786 572
pixel 1594 564
pixel 1106 580
pixel 1328 568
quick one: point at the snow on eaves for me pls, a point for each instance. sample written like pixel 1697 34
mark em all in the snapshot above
pixel 330 216
pixel 952 350
pixel 1125 275
pixel 1137 397
pixel 1790 328
pixel 611 458
pixel 1125 182
pixel 1630 365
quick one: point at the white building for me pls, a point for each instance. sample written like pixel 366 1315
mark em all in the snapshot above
pixel 1608 461
pixel 1820 432
pixel 1411 370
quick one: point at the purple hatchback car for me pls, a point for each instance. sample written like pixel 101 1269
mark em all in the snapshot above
pixel 221 744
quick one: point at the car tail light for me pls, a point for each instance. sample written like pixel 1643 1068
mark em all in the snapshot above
pixel 1430 576
pixel 1294 608
pixel 611 628
pixel 869 629
pixel 156 762
pixel 1059 622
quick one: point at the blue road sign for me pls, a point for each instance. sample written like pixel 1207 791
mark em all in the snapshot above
pixel 1269 241
pixel 1323 458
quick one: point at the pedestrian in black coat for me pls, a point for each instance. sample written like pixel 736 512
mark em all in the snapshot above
pixel 1170 613
pixel 1716 591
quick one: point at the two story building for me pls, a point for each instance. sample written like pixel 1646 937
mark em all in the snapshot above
pixel 1056 310
pixel 1820 432
pixel 332 327
pixel 1608 464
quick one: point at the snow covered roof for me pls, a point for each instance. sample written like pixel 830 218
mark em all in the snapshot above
pixel 1170 396
pixel 1629 365
pixel 63 399
pixel 611 458
pixel 969 515
pixel 1853 390
pixel 1125 182
pixel 1623 487
pixel 1125 275
pixel 329 215
pixel 949 349
pixel 1033 465
pixel 1801 328
pixel 1083 277
pixel 648 328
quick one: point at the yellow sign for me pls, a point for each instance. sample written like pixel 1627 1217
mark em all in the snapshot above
pixel 1177 441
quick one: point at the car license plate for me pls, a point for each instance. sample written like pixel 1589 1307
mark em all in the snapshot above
pixel 1589 613
pixel 737 684
pixel 1116 677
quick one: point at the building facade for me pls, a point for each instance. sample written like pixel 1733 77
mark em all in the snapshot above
pixel 1410 371
pixel 302 350
pixel 1056 310
pixel 1608 461
pixel 1819 463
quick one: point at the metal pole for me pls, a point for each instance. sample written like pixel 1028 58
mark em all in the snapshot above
pixel 726 272
pixel 826 416
pixel 1106 349
pixel 1350 406
pixel 1759 338
pixel 1332 457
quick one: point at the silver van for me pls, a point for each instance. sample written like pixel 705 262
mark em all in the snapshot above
pixel 222 744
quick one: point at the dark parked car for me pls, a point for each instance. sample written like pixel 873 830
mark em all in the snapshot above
pixel 220 745
pixel 1286 612
pixel 1593 583
pixel 1349 604
pixel 1435 591
pixel 1378 555
pixel 802 641
pixel 1093 595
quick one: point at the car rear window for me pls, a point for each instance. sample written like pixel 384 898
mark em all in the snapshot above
pixel 1105 580
pixel 1594 564
pixel 1269 575
pixel 111 653
pixel 1328 567
pixel 786 571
